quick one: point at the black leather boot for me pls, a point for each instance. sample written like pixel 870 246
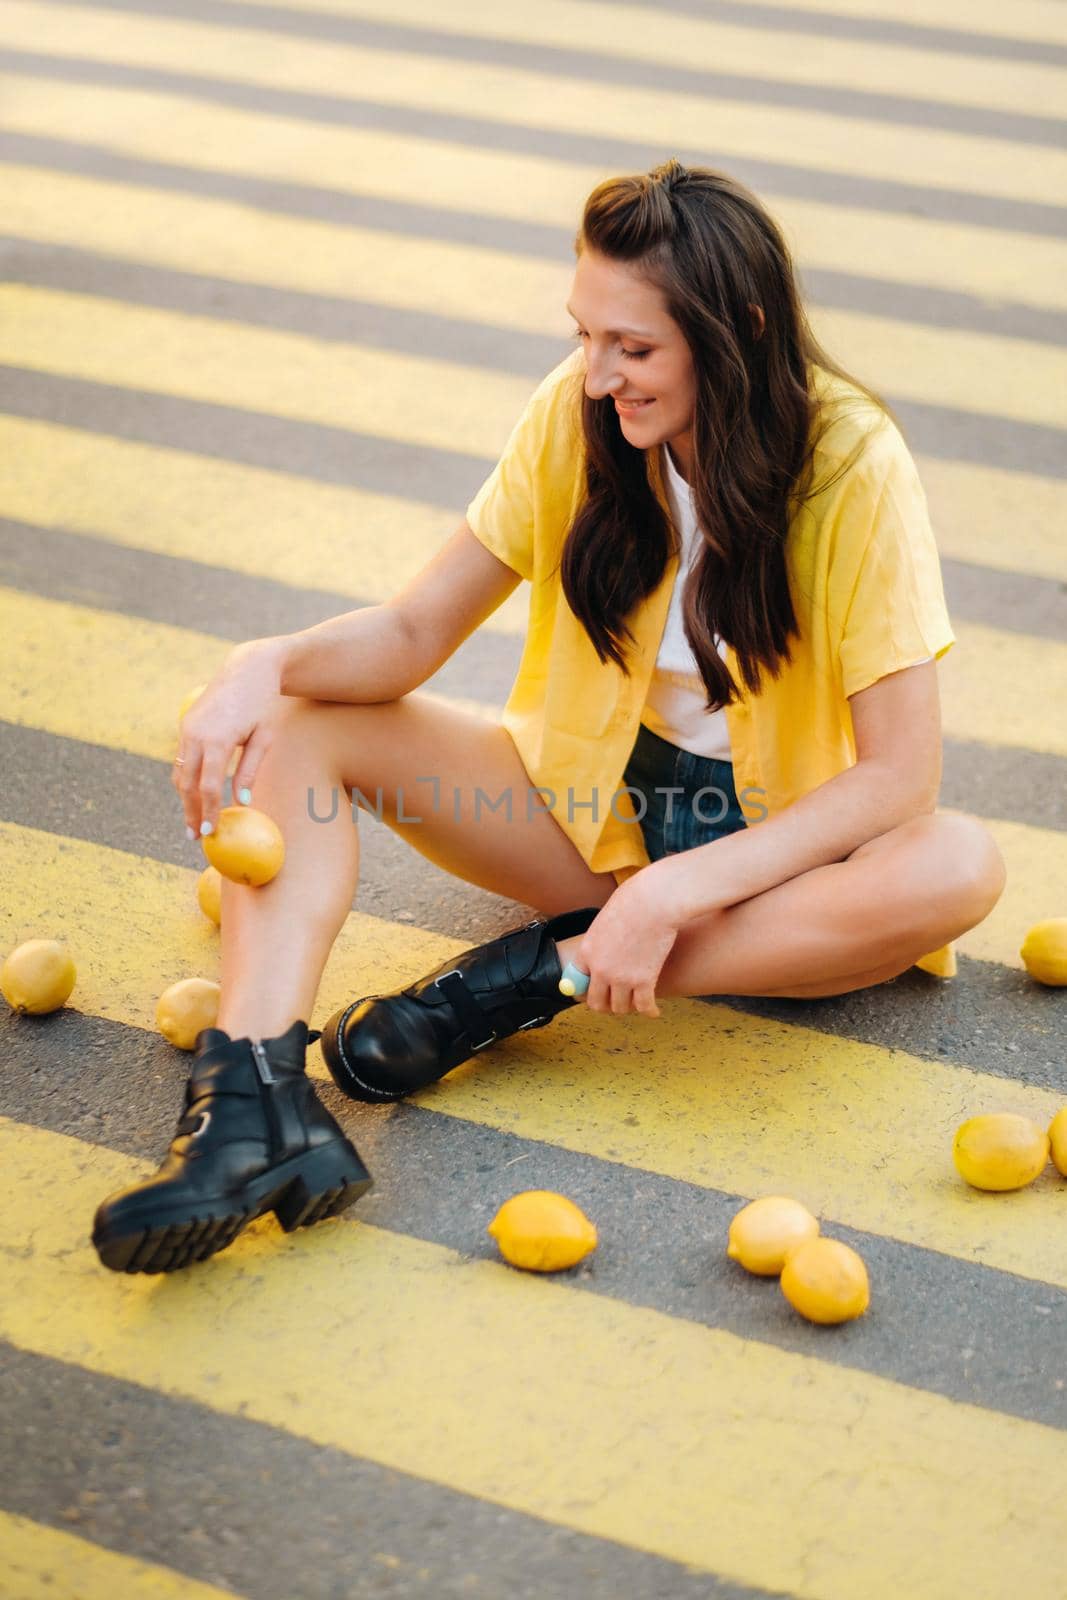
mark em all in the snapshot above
pixel 253 1137
pixel 385 1046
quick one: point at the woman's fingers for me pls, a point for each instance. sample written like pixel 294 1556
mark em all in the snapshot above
pixel 185 776
pixel 212 777
pixel 248 766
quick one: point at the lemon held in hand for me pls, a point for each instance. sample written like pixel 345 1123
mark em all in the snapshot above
pixel 1044 951
pixel 185 1008
pixel 246 846
pixel 1000 1151
pixel 826 1281
pixel 37 977
pixel 763 1233
pixel 542 1232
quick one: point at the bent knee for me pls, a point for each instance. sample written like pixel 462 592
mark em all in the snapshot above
pixel 973 862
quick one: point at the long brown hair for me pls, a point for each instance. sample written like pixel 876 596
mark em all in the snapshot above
pixel 712 250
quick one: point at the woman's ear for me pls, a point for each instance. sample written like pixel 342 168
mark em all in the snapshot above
pixel 759 321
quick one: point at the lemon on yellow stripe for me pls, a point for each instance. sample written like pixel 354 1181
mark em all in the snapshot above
pixel 1000 1151
pixel 826 1281
pixel 37 977
pixel 542 1231
pixel 185 1008
pixel 1044 951
pixel 763 1233
pixel 1057 1138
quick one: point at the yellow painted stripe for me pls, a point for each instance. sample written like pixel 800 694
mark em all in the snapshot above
pixel 253 245
pixel 648 34
pixel 444 404
pixel 66 668
pixel 251 520
pixel 445 1394
pixel 580 106
pixel 997 518
pixel 276 525
pixel 420 401
pixel 108 679
pixel 1024 19
pixel 40 1563
pixel 1002 688
pixel 860 1133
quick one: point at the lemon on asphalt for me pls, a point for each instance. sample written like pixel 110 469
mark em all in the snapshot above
pixel 763 1233
pixel 1044 951
pixel 1000 1150
pixel 1057 1138
pixel 185 1008
pixel 542 1232
pixel 209 894
pixel 826 1281
pixel 246 846
pixel 37 977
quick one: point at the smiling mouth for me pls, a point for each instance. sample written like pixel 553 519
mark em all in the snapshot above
pixel 632 405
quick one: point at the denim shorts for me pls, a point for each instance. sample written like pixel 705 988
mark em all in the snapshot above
pixel 706 807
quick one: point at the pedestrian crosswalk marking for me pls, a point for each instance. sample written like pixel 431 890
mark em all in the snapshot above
pixel 43 1563
pixel 697 1097
pixel 574 1405
pixel 518 100
pixel 693 43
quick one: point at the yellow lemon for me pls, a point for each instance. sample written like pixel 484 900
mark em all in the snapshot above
pixel 1044 951
pixel 190 699
pixel 1000 1151
pixel 1057 1138
pixel 185 1008
pixel 209 894
pixel 542 1231
pixel 826 1281
pixel 246 846
pixel 763 1233
pixel 37 977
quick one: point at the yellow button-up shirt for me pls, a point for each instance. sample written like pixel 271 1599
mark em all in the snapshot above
pixel 866 587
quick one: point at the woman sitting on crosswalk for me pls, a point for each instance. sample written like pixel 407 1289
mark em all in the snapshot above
pixel 723 743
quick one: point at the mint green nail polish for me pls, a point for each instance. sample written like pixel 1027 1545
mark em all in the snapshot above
pixel 206 828
pixel 245 796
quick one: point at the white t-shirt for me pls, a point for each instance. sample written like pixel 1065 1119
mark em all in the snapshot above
pixel 675 707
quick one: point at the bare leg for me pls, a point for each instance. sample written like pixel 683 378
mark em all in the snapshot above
pixel 276 939
pixel 843 926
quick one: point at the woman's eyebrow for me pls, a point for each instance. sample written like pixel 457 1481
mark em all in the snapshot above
pixel 635 333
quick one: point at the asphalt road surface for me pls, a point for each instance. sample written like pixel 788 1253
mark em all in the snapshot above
pixel 277 281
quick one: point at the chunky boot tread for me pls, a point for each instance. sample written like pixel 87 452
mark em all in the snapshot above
pixel 254 1138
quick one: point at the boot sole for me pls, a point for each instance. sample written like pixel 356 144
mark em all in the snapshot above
pixel 303 1191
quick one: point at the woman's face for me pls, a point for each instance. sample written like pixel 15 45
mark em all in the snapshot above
pixel 635 351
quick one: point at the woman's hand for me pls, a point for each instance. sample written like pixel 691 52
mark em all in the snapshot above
pixel 624 949
pixel 234 710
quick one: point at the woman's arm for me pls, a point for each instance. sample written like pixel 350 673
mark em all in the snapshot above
pixel 897 775
pixel 383 652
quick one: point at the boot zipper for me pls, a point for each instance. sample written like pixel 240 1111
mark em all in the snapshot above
pixel 259 1055
pixel 266 1077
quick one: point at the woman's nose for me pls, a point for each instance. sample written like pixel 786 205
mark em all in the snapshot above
pixel 602 376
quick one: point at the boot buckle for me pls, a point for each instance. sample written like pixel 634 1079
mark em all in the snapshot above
pixel 465 1006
